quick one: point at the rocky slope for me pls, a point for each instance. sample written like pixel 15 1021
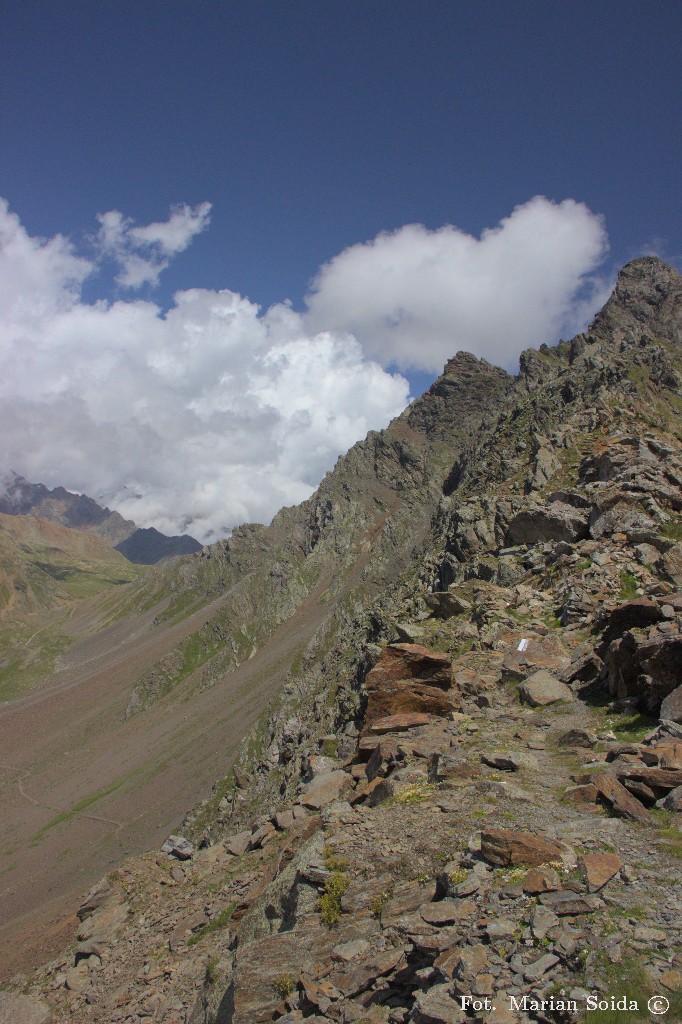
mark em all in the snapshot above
pixel 465 802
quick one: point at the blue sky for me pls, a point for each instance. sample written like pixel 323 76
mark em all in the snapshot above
pixel 310 128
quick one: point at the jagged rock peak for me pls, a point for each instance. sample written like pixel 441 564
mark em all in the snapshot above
pixel 647 299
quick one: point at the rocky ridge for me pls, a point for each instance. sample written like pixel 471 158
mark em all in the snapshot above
pixel 468 795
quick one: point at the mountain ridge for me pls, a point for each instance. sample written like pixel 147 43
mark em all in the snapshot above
pixel 358 860
pixel 79 512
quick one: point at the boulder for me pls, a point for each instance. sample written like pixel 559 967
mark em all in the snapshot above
pixel 671 564
pixel 178 847
pixel 636 614
pixel 646 669
pixel 543 688
pixel 98 895
pixel 404 696
pixel 445 605
pixel 671 706
pixel 530 652
pixel 540 523
pixel 437 1006
pixel 104 925
pixel 324 789
pixel 400 723
pixel 443 912
pixel 673 801
pixel 261 836
pixel 506 847
pixel 541 879
pixel 410 661
pixel 237 844
pixel 566 903
pixel 408 677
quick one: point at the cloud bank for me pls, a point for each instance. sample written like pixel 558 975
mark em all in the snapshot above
pixel 414 297
pixel 214 412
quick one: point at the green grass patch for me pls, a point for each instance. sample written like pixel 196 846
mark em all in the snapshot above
pixel 80 807
pixel 629 981
pixel 221 920
pixel 628 586
pixel 671 531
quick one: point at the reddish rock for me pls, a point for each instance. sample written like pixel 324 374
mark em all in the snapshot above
pixel 237 845
pixel 443 912
pixel 617 798
pixel 398 723
pixel 541 880
pixel 599 868
pixel 405 696
pixel 506 847
pixel 261 836
pixel 661 778
pixel 409 677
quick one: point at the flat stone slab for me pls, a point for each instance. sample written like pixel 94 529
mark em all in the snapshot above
pixel 398 723
pixel 599 868
pixel 443 912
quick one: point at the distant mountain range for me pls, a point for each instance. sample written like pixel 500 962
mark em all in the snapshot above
pixel 19 497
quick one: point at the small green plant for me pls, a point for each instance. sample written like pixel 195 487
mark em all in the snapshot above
pixel 628 586
pixel 329 904
pixel 457 876
pixel 379 902
pixel 220 920
pixel 414 794
pixel 332 861
pixel 673 531
pixel 284 984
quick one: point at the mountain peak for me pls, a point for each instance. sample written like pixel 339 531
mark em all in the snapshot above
pixel 646 300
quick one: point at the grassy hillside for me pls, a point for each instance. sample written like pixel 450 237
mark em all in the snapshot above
pixel 47 573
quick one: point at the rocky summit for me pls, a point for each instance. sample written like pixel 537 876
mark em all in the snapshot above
pixel 464 802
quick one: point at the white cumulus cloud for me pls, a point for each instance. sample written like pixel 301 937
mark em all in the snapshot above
pixel 215 412
pixel 413 296
pixel 142 253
